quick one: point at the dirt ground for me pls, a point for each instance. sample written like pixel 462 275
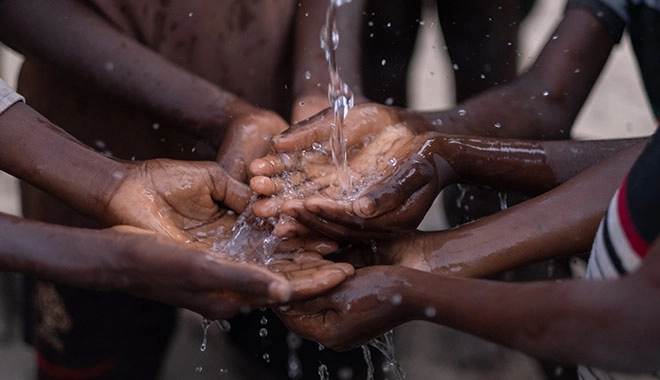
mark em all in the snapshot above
pixel 616 108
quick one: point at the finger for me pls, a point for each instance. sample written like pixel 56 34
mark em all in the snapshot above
pixel 391 192
pixel 302 135
pixel 269 165
pixel 267 207
pixel 321 246
pixel 290 228
pixel 331 229
pixel 236 195
pixel 286 184
pixel 312 281
pixel 250 280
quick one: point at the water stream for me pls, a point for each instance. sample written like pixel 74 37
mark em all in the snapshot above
pixel 339 95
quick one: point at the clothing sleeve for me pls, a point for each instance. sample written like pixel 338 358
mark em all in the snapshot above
pixel 8 96
pixel 613 13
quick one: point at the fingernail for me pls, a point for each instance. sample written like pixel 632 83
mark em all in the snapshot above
pixel 365 207
pixel 280 291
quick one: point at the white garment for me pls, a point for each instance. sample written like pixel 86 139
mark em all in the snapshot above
pixel 8 96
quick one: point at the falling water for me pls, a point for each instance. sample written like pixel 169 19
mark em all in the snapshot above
pixel 339 95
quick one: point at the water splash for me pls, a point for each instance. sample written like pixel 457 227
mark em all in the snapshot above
pixel 251 241
pixel 385 344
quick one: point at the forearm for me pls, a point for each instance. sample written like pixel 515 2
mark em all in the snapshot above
pixel 560 222
pixel 66 255
pixel 543 102
pixel 77 41
pixel 37 151
pixel 523 165
pixel 592 323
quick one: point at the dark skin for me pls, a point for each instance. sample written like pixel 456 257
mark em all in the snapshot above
pixel 544 319
pixel 179 200
pixel 412 167
pixel 541 103
pixel 595 323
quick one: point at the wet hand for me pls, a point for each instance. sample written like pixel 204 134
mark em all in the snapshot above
pixel 154 266
pixel 358 310
pixel 395 177
pixel 248 137
pixel 307 106
pixel 179 199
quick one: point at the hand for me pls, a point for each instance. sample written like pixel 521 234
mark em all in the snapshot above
pixel 307 106
pixel 358 310
pixel 247 138
pixel 395 173
pixel 179 199
pixel 157 267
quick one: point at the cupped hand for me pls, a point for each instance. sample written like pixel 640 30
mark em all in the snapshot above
pixel 175 198
pixel 248 137
pixel 154 266
pixel 305 107
pixel 395 176
pixel 358 310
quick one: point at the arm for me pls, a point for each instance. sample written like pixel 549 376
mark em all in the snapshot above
pixel 410 171
pixel 74 39
pixel 153 266
pixel 171 197
pixel 544 101
pixel 605 324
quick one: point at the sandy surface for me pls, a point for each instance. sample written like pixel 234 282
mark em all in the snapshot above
pixel 616 108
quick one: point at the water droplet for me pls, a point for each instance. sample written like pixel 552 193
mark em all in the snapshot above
pixel 266 357
pixel 421 22
pixel 190 14
pixel 482 76
pixel 317 147
pixel 109 66
pixel 391 161
pixel 455 66
pixel 370 23
pixel 263 320
pixel 198 369
pixel 396 299
pixel 155 126
pixel 321 347
pixel 223 325
pixel 263 332
pixel 498 125
pixel 462 112
pixel 224 370
pixel 306 14
pixel 546 93
pixel 389 101
pixel 430 312
pixel 389 24
pixel 383 62
pixel 308 75
pixel 555 37
pixel 100 144
pixel 577 71
pixel 302 104
pixel 324 374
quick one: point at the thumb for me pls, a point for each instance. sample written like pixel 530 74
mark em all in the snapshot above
pixel 235 194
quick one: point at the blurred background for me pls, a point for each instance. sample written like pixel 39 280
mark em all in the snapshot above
pixel 616 108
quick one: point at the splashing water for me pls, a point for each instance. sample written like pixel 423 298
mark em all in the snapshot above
pixel 339 95
pixel 251 240
pixel 385 344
